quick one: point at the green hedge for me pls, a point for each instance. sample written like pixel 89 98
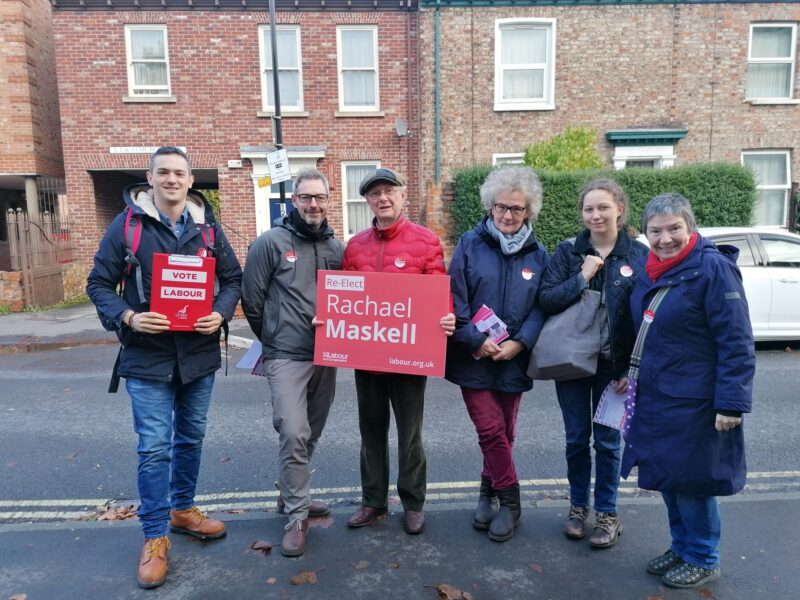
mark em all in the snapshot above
pixel 722 194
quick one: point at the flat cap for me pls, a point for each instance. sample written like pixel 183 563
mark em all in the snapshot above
pixel 381 175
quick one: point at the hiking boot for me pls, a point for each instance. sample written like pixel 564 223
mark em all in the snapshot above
pixel 488 506
pixel 607 529
pixel 663 563
pixel 294 540
pixel 193 522
pixel 153 563
pixel 509 515
pixel 575 525
pixel 315 508
pixel 688 576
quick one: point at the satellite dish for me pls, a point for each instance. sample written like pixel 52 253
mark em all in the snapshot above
pixel 401 127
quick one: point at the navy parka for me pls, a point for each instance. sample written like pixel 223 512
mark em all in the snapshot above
pixel 481 274
pixel 156 356
pixel 698 359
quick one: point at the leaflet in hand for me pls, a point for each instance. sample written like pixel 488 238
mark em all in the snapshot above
pixel 611 408
pixel 489 323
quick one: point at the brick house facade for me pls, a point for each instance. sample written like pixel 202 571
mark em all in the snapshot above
pixel 29 111
pixel 212 101
pixel 663 83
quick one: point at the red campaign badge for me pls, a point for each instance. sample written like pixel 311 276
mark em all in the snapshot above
pixel 626 271
pixel 399 262
pixel 649 315
pixel 291 256
pixel 527 274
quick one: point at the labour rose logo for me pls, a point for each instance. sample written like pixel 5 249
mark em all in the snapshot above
pixel 291 256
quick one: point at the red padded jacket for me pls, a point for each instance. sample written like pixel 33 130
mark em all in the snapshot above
pixel 403 247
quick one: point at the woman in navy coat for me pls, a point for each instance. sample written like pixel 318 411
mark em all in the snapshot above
pixel 600 258
pixel 695 382
pixel 498 264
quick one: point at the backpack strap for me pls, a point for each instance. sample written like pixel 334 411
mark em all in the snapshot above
pixel 133 236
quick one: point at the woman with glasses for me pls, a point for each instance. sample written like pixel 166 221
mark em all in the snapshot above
pixel 600 258
pixel 496 270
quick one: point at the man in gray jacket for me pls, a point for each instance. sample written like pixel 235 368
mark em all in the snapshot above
pixel 279 292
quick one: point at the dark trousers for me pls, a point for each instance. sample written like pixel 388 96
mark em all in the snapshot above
pixel 406 395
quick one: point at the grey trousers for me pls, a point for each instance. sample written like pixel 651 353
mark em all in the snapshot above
pixel 302 394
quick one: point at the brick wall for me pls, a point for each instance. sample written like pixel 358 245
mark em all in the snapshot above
pixel 214 65
pixel 617 67
pixel 29 112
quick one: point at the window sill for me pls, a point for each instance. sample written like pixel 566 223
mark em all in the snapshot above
pixel 149 99
pixel 523 107
pixel 771 101
pixel 284 113
pixel 363 113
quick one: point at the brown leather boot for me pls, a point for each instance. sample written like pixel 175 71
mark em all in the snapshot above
pixel 575 523
pixel 153 562
pixel 193 522
pixel 294 540
pixel 607 529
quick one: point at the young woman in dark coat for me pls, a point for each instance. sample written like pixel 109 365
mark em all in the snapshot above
pixel 600 258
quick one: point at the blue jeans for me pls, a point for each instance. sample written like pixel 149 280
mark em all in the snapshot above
pixel 170 419
pixel 578 399
pixel 694 525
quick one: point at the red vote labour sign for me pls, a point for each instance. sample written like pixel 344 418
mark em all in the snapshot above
pixel 382 321
pixel 182 288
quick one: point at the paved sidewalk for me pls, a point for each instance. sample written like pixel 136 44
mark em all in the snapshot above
pixel 68 327
pixel 760 550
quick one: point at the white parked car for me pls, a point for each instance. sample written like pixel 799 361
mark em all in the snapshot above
pixel 769 259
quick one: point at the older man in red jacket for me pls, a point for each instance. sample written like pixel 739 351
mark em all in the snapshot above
pixel 394 245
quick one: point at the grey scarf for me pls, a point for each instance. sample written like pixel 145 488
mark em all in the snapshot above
pixel 510 243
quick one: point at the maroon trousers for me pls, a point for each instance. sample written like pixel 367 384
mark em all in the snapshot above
pixel 494 415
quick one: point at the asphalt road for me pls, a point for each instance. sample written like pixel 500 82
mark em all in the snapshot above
pixel 67 446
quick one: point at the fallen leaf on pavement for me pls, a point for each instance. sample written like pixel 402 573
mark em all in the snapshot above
pixel 67 389
pixel 272 581
pixel 11 464
pixel 225 459
pixel 448 592
pixel 304 577
pixel 394 500
pixel 706 593
pixel 19 597
pixel 235 511
pixel 394 565
pixel 261 546
pixel 323 522
pixel 535 568
pixel 118 513
pixel 362 564
pixel 655 598
pixel 70 455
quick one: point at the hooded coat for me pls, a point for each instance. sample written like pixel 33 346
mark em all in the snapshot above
pixel 698 359
pixel 508 284
pixel 156 356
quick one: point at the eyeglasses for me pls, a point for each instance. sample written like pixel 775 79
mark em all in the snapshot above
pixel 502 209
pixel 307 198
pixel 376 194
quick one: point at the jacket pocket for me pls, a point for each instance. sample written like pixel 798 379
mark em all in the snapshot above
pixel 685 387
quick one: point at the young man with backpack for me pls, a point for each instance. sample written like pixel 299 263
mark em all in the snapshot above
pixel 169 374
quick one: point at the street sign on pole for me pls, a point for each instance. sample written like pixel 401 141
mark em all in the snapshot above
pixel 278 164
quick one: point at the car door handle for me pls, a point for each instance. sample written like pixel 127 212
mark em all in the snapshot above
pixel 784 280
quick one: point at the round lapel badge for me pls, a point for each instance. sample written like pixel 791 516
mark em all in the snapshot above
pixel 527 274
pixel 626 271
pixel 291 256
pixel 399 263
pixel 649 315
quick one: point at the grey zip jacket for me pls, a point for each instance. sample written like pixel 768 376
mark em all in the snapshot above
pixel 279 287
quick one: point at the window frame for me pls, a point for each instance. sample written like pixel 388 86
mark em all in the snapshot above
pixel 340 71
pixel 345 200
pixel 787 187
pixel 791 60
pixel 547 102
pixel 266 70
pixel 662 155
pixel 508 158
pixel 133 88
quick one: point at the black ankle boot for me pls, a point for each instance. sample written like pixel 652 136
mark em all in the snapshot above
pixel 488 506
pixel 502 527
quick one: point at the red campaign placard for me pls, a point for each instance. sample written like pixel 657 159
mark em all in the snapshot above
pixel 182 288
pixel 382 321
